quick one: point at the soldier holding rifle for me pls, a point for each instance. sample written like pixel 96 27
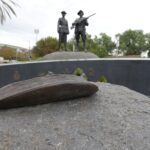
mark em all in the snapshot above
pixel 80 29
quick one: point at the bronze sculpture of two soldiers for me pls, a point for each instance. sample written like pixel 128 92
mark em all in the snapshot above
pixel 80 30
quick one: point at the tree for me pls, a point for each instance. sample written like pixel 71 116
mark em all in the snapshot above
pixel 71 44
pixel 101 45
pixel 8 53
pixel 6 9
pixel 106 42
pixel 147 41
pixel 132 42
pixel 45 46
pixel 93 45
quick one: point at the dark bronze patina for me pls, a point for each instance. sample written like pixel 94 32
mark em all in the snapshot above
pixel 63 30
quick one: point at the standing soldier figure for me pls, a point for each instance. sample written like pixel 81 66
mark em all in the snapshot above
pixel 63 30
pixel 80 30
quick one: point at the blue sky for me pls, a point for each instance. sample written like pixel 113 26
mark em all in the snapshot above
pixel 112 17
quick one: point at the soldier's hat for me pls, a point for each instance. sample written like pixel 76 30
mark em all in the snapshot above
pixel 80 11
pixel 63 12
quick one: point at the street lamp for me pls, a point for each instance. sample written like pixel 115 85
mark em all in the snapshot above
pixel 36 31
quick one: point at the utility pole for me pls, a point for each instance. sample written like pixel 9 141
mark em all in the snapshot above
pixel 29 52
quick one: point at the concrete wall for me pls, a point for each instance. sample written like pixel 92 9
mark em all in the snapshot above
pixel 132 73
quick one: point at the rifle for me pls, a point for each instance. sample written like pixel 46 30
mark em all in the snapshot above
pixel 80 21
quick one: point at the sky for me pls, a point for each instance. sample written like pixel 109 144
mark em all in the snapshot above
pixel 112 17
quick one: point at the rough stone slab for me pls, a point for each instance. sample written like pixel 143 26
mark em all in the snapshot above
pixel 41 90
pixel 115 118
pixel 69 55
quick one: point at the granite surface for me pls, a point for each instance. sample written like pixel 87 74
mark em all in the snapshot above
pixel 115 118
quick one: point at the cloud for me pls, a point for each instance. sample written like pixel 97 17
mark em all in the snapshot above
pixel 111 17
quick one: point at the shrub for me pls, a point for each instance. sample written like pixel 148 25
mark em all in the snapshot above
pixel 79 72
pixel 103 79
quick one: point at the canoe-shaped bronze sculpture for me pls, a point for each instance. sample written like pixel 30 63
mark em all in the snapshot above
pixel 45 89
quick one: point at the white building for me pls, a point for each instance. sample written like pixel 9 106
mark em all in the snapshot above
pixel 1 59
pixel 117 52
pixel 144 54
